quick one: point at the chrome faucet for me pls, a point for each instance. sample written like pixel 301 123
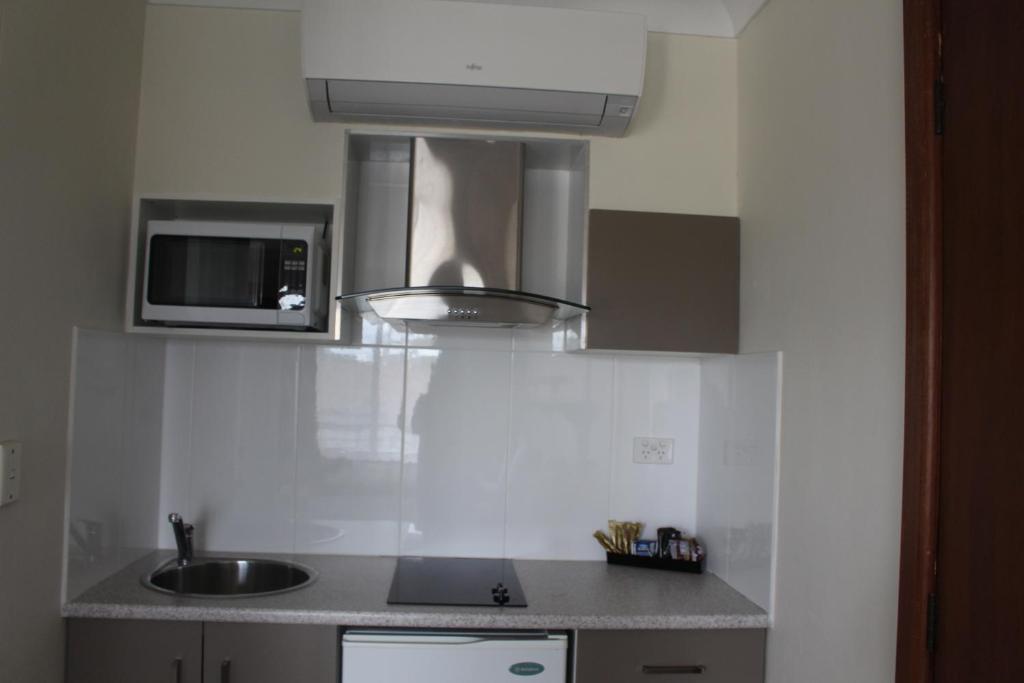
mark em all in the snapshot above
pixel 183 537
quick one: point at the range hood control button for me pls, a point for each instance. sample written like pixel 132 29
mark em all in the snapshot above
pixel 464 313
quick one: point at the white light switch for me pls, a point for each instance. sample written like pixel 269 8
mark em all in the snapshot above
pixel 10 472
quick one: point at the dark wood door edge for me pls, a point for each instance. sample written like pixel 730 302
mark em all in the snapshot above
pixel 919 540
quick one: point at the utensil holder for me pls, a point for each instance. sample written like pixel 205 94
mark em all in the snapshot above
pixel 688 566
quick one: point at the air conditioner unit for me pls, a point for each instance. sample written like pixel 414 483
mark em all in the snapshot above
pixel 474 64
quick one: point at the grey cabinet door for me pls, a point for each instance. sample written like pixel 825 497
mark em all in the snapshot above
pixel 126 651
pixel 270 653
pixel 723 656
pixel 663 282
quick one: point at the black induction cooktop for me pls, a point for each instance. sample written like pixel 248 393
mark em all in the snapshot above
pixel 456 581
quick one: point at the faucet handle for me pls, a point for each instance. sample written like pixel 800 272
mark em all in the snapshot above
pixel 182 538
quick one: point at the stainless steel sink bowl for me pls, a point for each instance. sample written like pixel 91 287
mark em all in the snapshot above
pixel 225 578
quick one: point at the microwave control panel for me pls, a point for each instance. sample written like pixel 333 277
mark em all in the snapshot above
pixel 294 260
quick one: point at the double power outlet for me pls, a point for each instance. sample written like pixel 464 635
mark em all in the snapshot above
pixel 653 450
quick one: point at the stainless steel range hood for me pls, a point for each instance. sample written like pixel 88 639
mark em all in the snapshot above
pixel 464 246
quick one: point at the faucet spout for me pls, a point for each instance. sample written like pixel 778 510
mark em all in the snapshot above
pixel 182 537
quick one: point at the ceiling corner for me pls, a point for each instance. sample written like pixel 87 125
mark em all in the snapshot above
pixel 741 12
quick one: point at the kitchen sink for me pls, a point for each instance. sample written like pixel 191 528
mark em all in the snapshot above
pixel 225 578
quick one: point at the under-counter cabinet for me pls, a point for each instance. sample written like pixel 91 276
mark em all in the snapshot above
pixel 122 651
pixel 125 651
pixel 718 656
pixel 269 653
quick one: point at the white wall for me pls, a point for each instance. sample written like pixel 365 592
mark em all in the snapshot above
pixel 821 200
pixel 224 112
pixel 69 84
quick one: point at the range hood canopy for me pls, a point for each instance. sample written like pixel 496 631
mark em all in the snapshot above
pixel 464 246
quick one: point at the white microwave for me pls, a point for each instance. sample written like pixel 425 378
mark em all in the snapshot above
pixel 226 274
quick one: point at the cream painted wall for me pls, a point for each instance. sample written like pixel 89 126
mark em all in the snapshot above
pixel 821 199
pixel 69 89
pixel 224 113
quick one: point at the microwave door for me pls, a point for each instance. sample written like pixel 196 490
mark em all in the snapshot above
pixel 213 279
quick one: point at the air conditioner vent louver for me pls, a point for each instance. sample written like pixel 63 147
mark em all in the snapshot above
pixel 463 103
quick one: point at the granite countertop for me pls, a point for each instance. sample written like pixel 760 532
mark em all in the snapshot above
pixel 352 591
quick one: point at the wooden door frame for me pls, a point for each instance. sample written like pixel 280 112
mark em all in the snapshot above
pixel 919 540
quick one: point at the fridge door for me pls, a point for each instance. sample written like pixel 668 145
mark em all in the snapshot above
pixel 445 657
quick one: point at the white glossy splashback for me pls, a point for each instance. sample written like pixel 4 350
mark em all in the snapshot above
pixel 452 442
pixel 349 450
pixel 560 454
pixel 462 442
pixel 737 470
pixel 114 467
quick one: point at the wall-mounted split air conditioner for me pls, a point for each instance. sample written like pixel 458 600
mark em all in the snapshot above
pixel 438 62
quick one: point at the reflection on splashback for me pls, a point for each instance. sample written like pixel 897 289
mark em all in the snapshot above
pixel 114 479
pixel 349 449
pixel 454 442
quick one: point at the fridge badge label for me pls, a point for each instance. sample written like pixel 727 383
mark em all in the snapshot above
pixel 526 669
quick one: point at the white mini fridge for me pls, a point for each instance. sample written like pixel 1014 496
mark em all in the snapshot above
pixel 406 656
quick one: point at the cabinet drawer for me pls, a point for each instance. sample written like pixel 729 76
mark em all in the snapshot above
pixel 717 656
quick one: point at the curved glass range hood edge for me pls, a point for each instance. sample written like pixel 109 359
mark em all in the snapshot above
pixel 462 306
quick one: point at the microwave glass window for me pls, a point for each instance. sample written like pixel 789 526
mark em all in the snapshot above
pixel 225 272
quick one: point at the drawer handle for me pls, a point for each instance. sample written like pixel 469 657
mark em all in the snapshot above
pixel 225 671
pixel 679 669
pixel 177 670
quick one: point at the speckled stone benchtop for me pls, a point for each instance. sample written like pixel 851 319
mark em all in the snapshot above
pixel 352 591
